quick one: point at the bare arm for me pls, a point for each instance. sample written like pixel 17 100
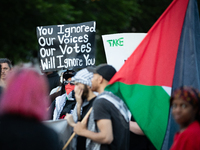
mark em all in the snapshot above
pixel 134 127
pixel 104 136
pixel 70 120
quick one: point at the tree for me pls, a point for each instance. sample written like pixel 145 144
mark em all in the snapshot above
pixel 20 18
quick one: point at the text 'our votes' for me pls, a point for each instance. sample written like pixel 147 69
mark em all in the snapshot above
pixel 66 49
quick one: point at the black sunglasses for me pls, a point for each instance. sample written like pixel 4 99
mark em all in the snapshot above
pixel 70 82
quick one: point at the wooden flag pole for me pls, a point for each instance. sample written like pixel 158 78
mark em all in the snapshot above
pixel 72 136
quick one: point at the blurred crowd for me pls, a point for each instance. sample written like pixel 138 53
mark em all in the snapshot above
pixel 29 97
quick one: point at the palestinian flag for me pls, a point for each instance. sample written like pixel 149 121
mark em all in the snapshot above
pixel 145 81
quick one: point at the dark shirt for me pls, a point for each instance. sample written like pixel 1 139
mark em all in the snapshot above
pixel 69 105
pixel 104 109
pixel 22 133
pixel 81 141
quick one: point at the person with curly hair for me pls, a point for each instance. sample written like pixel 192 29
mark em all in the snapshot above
pixel 185 103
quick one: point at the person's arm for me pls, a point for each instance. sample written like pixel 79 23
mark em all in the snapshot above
pixel 70 120
pixel 104 136
pixel 134 127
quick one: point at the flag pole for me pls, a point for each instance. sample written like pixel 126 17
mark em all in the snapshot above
pixel 72 136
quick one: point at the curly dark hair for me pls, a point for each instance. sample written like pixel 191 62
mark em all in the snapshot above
pixel 190 95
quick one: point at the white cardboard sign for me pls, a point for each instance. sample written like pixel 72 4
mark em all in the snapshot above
pixel 118 47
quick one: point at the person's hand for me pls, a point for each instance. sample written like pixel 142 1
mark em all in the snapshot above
pixel 134 127
pixel 70 120
pixel 78 95
pixel 79 128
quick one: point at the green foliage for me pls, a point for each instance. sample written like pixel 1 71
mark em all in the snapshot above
pixel 19 19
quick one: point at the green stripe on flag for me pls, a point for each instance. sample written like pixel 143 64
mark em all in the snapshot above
pixel 149 105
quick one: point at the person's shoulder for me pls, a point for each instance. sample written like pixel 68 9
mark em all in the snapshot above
pixel 102 103
pixel 189 138
pixel 194 128
pixel 56 89
pixel 100 100
pixel 191 132
pixel 60 97
pixel 53 74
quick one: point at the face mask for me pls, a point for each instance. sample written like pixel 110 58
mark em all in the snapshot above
pixel 69 86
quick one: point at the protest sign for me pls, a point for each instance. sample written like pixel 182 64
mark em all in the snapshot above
pixel 66 46
pixel 118 47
